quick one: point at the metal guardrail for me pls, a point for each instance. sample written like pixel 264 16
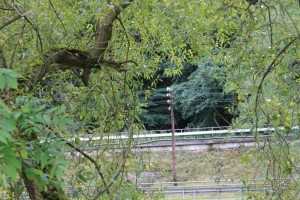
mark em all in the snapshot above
pixel 237 193
pixel 209 183
pixel 207 187
pixel 186 130
pixel 204 189
pixel 182 133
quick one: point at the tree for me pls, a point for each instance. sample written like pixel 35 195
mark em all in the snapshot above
pixel 262 68
pixel 156 114
pixel 84 60
pixel 64 76
pixel 201 98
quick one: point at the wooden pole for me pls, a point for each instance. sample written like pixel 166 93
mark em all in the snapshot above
pixel 170 94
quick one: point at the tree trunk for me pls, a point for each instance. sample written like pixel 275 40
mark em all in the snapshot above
pixel 36 194
pixel 32 188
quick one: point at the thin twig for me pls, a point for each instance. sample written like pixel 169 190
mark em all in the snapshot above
pixel 16 46
pixel 98 168
pixel 127 53
pixel 270 22
pixel 59 18
pixel 126 35
pixel 270 67
pixel 33 26
pixel 125 155
pixel 7 9
pixel 294 23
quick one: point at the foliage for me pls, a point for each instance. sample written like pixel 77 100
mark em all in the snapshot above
pixel 156 114
pixel 41 41
pixel 85 60
pixel 29 139
pixel 201 99
pixel 262 67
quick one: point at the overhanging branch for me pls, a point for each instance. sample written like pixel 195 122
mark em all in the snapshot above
pixel 104 30
pixel 64 59
pixel 68 59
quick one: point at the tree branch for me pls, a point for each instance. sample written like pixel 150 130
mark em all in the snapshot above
pixel 103 36
pixel 273 63
pixel 35 28
pixel 270 23
pixel 104 30
pixel 127 37
pixel 16 46
pixel 2 60
pixel 13 20
pixel 7 9
pixel 98 168
pixel 270 67
pixel 57 15
pixel 64 59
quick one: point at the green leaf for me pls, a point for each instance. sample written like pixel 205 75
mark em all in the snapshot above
pixel 56 121
pixel 58 173
pixel 26 109
pixel 62 162
pixel 4 181
pixel 37 171
pixel 30 173
pixel 44 178
pixel 8 124
pixel 12 82
pixel 7 151
pixel 17 115
pixel 10 73
pixel 40 183
pixel 39 119
pixel 2 82
pixel 56 184
pixel 47 119
pixel 44 159
pixel 3 139
pixel 51 110
pixel 37 156
pixel 10 172
pixel 54 152
pixel 52 171
pixel 24 153
pixel 5 71
pixel 12 162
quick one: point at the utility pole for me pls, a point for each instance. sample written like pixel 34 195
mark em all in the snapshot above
pixel 170 101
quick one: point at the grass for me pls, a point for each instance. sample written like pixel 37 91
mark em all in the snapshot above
pixel 210 165
pixel 214 164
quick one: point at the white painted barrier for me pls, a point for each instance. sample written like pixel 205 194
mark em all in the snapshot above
pixel 181 133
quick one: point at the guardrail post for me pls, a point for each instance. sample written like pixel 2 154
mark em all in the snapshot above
pixel 183 194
